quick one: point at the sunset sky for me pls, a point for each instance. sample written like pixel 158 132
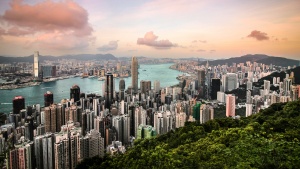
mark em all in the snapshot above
pixel 157 28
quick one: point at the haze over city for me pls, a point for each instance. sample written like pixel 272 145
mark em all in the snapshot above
pixel 208 29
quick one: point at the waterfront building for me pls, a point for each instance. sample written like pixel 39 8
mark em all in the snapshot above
pixel 48 71
pixel 18 104
pixel 36 64
pixel 75 93
pixel 134 74
pixel 48 98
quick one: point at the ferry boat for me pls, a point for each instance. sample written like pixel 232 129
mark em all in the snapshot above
pixel 101 78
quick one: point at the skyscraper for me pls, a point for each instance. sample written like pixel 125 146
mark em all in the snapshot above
pixel 201 82
pixel 230 81
pixel 215 87
pixel 230 105
pixel 36 64
pixel 122 89
pixel 48 98
pixel 109 90
pixel 18 104
pixel 75 93
pixel 145 86
pixel 248 103
pixel 134 74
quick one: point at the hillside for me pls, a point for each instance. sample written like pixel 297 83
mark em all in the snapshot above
pixel 259 58
pixel 86 57
pixel 282 75
pixel 269 139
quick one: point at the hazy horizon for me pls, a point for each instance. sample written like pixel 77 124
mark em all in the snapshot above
pixel 178 29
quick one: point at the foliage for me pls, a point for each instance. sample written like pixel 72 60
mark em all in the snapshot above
pixel 268 139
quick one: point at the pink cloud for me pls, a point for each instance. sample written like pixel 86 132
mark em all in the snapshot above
pixel 200 50
pixel 47 21
pixel 151 40
pixel 112 45
pixel 258 35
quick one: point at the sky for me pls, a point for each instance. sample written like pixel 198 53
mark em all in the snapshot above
pixel 153 28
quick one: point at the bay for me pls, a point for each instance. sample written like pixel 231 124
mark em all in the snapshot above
pixel 61 88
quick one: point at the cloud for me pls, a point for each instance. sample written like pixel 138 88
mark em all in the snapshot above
pixel 151 40
pixel 258 35
pixel 200 41
pixel 60 21
pixel 200 50
pixel 211 51
pixel 112 45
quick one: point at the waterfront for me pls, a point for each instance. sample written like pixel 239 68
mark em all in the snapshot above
pixel 61 88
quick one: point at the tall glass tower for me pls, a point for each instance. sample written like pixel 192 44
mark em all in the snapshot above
pixel 36 64
pixel 134 74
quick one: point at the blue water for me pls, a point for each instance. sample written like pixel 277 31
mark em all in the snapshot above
pixel 61 88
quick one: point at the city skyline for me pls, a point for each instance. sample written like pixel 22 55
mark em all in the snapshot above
pixel 207 29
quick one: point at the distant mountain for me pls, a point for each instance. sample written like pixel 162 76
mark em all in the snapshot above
pixel 96 57
pixel 259 58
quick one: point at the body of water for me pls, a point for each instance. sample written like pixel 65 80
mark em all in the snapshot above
pixel 61 88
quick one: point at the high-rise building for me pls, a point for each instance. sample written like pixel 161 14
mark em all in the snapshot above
pixel 201 83
pixel 266 86
pixel 122 89
pixel 48 98
pixel 156 86
pixel 134 74
pixel 36 64
pixel 109 90
pixel 206 113
pixel 145 86
pixel 230 105
pixel 48 71
pixel 18 104
pixel 75 93
pixel 230 81
pixel 215 87
pixel 249 106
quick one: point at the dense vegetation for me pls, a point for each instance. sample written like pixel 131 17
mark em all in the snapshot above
pixel 269 139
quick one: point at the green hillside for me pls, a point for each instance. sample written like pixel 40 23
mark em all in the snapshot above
pixel 269 139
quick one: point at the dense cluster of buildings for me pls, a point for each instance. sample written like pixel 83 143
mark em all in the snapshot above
pixel 60 135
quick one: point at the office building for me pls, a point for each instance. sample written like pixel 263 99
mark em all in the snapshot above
pixel 18 104
pixel 230 105
pixel 122 89
pixel 48 98
pixel 48 71
pixel 215 87
pixel 134 74
pixel 206 113
pixel 75 93
pixel 156 86
pixel 249 107
pixel 230 81
pixel 145 86
pixel 36 64
pixel 109 90
pixel 201 83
